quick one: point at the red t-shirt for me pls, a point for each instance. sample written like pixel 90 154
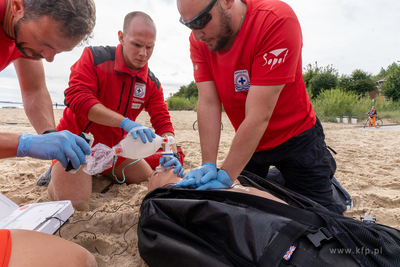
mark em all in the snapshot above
pixel 8 50
pixel 267 51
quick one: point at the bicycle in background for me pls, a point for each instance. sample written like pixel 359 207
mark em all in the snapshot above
pixel 378 122
pixel 196 127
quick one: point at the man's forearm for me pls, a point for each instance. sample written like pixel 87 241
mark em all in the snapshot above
pixel 243 146
pixel 260 104
pixel 39 110
pixel 8 145
pixel 209 121
pixel 104 116
pixel 37 102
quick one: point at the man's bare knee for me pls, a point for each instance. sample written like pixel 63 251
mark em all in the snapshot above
pixel 83 258
pixel 80 205
pixel 67 186
pixel 90 260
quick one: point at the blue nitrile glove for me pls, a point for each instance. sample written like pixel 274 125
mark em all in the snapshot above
pixel 172 161
pixel 143 131
pixel 223 181
pixel 199 176
pixel 61 146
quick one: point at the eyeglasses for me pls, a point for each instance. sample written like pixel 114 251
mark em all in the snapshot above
pixel 201 19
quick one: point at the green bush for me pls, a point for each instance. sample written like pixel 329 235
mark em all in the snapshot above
pixel 193 100
pixel 337 102
pixel 178 102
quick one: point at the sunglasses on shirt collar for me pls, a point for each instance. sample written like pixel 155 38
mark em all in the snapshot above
pixel 201 19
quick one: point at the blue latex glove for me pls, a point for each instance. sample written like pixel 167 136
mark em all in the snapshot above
pixel 129 126
pixel 223 181
pixel 172 161
pixel 199 176
pixel 61 146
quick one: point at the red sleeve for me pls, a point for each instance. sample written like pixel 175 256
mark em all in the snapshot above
pixel 158 111
pixel 201 71
pixel 81 94
pixel 279 49
pixel 5 247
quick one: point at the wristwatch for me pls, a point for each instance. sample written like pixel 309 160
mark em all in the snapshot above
pixel 50 131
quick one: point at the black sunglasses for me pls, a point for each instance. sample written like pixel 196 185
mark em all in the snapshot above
pixel 201 19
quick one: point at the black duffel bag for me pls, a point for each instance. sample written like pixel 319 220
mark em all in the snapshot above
pixel 186 227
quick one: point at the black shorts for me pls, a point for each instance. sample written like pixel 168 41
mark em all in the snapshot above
pixel 305 162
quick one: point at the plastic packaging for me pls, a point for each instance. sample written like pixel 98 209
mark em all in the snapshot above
pixel 102 156
pixel 167 154
pixel 89 138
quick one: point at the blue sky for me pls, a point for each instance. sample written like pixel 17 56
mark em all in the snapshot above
pixel 356 34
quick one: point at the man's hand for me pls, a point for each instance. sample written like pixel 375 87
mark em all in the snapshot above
pixel 173 161
pixel 61 146
pixel 199 176
pixel 223 181
pixel 137 128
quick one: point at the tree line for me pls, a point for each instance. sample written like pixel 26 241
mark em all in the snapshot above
pixel 317 80
pixel 360 82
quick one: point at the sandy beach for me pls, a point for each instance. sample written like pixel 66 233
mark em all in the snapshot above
pixel 367 167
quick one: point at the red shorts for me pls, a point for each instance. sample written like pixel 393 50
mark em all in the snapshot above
pixel 5 247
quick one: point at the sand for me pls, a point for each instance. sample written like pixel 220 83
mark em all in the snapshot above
pixel 367 159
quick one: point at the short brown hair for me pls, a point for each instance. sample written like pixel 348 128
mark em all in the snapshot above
pixel 131 15
pixel 76 18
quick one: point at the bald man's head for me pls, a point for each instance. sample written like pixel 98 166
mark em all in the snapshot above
pixel 146 19
pixel 138 39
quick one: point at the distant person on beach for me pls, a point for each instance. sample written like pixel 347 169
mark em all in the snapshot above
pixel 32 30
pixel 246 57
pixel 108 88
pixel 372 116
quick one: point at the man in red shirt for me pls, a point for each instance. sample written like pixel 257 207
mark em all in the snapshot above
pixel 32 30
pixel 108 88
pixel 247 58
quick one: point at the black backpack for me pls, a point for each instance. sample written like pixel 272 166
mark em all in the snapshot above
pixel 186 227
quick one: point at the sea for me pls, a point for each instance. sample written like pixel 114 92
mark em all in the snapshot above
pixel 10 104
